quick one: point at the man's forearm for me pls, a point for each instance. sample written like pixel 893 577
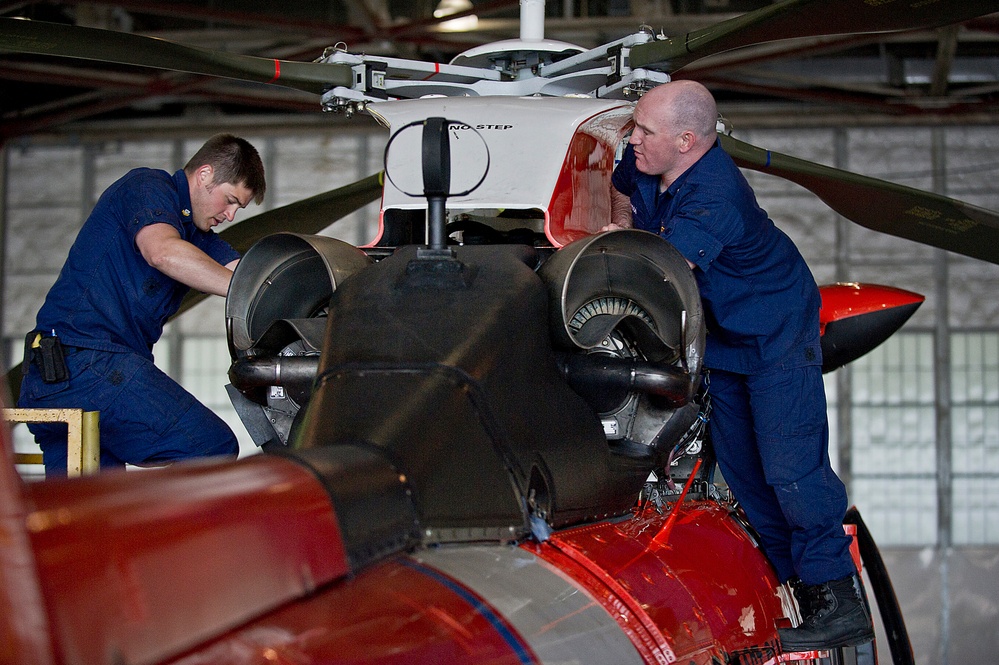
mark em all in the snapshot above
pixel 163 248
pixel 189 265
pixel 620 209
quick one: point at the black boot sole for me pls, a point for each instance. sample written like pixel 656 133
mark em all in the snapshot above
pixel 851 640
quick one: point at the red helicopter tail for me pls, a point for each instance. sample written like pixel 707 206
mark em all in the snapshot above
pixel 856 317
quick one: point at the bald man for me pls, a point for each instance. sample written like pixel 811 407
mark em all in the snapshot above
pixel 768 421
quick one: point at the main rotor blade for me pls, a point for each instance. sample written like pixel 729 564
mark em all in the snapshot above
pixel 40 38
pixel 806 18
pixel 882 206
pixel 310 215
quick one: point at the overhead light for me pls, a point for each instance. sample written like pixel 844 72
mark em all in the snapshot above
pixel 463 24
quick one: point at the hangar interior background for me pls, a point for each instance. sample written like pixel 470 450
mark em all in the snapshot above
pixel 915 425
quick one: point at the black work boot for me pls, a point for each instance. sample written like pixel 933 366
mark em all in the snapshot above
pixel 836 614
pixel 799 590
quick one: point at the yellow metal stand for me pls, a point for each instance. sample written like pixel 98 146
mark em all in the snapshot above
pixel 82 436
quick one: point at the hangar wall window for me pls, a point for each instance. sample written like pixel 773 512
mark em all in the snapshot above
pixel 894 416
pixel 975 454
pixel 894 440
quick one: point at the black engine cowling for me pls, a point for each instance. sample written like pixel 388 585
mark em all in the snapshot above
pixel 446 369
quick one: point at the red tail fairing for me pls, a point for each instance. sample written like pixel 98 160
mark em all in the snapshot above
pixel 855 318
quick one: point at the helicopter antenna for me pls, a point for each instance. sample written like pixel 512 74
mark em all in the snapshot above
pixel 436 179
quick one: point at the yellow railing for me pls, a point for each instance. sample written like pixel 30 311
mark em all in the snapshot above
pixel 82 436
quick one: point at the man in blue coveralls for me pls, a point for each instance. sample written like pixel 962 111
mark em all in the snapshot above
pixel 147 242
pixel 761 304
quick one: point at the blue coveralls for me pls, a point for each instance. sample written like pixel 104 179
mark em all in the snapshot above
pixel 108 307
pixel 761 304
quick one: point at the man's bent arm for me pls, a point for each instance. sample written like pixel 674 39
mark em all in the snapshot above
pixel 621 215
pixel 163 248
pixel 620 211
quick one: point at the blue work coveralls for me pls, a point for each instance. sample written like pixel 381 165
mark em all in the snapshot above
pixel 768 421
pixel 108 307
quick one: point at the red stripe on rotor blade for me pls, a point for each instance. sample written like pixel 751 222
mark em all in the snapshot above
pixel 437 70
pixel 277 71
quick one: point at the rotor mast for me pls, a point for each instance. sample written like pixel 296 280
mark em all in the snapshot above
pixel 532 20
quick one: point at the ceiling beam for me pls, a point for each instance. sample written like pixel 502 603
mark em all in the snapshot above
pixel 946 49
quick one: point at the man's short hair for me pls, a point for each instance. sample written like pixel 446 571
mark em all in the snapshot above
pixel 234 161
pixel 694 108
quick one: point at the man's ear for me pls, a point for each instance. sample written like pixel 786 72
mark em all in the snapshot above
pixel 206 174
pixel 687 141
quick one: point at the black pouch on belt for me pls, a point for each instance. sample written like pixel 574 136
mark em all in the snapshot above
pixel 46 352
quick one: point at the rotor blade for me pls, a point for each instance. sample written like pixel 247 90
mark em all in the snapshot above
pixel 40 38
pixel 805 18
pixel 310 215
pixel 882 206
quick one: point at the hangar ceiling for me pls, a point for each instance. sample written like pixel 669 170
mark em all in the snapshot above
pixel 952 71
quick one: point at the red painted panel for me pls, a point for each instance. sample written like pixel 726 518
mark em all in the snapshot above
pixel 650 642
pixel 139 566
pixel 396 613
pixel 707 589
pixel 840 301
pixel 580 204
pixel 24 634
